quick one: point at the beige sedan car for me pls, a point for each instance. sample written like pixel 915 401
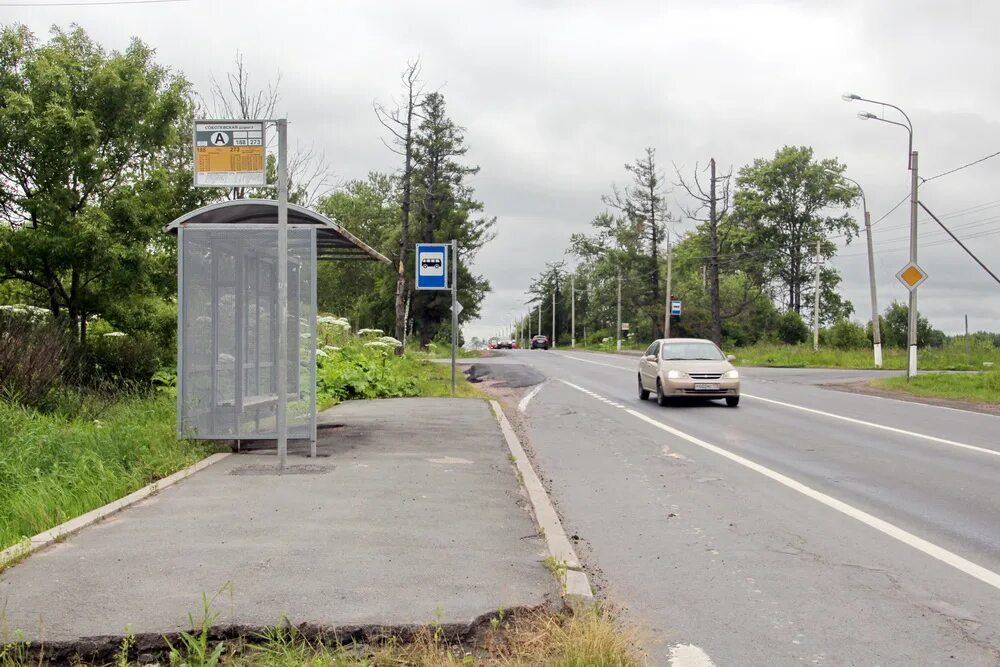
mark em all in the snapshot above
pixel 691 367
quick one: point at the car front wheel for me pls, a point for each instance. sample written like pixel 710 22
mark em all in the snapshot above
pixel 732 401
pixel 643 392
pixel 661 398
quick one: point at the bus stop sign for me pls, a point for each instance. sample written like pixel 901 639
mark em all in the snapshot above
pixel 432 266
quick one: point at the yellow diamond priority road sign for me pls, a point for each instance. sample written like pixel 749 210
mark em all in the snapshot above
pixel 911 275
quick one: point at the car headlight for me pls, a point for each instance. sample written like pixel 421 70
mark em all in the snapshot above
pixel 674 375
pixel 732 375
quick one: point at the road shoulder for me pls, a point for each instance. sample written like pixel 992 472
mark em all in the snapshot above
pixel 866 388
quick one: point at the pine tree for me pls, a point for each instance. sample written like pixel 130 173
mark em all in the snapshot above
pixel 444 208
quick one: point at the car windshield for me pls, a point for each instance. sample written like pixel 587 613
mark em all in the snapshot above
pixel 692 352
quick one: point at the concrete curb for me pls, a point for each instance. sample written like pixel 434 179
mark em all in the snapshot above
pixel 576 585
pixel 15 553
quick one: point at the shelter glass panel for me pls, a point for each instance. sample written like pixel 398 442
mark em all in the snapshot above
pixel 229 332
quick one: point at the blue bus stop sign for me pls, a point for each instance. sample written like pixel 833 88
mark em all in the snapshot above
pixel 675 308
pixel 432 266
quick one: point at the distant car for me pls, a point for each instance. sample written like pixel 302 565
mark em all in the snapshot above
pixel 539 342
pixel 692 367
pixel 492 344
pixel 506 345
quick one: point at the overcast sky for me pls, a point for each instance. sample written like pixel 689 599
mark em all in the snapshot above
pixel 557 96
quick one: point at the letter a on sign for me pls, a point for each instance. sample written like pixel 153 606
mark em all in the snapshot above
pixel 220 139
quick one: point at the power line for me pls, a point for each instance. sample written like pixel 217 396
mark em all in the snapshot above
pixel 88 3
pixel 964 166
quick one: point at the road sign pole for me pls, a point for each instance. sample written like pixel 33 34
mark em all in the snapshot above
pixel 281 419
pixel 454 309
pixel 816 302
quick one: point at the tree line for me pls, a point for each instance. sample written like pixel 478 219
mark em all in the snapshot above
pixel 743 252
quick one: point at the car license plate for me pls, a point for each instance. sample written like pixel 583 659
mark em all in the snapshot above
pixel 706 386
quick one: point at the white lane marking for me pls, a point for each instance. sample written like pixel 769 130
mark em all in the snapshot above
pixel 523 405
pixel 689 655
pixel 891 429
pixel 596 363
pixel 907 538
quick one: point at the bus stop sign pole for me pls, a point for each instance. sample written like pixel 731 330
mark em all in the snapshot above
pixel 454 309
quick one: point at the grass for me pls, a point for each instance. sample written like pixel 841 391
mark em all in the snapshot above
pixel 950 357
pixel 587 637
pixel 54 468
pixel 981 387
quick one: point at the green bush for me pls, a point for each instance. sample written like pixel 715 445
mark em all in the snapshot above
pixel 115 360
pixel 364 370
pixel 846 335
pixel 792 329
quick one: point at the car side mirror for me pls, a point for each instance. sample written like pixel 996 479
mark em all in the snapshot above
pixel 730 357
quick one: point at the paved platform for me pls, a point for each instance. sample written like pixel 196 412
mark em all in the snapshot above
pixel 410 514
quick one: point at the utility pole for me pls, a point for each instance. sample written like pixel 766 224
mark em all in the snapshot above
pixel 618 335
pixel 572 310
pixel 539 332
pixel 816 302
pixel 876 326
pixel 713 260
pixel 911 368
pixel 968 351
pixel 555 288
pixel 666 314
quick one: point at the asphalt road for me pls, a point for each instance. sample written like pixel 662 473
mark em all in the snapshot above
pixel 806 526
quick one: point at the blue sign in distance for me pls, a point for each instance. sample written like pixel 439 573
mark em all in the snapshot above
pixel 432 266
pixel 675 308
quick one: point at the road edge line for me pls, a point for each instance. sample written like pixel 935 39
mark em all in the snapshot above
pixel 576 584
pixel 12 555
pixel 523 405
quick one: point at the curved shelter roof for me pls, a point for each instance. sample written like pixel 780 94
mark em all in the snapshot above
pixel 332 240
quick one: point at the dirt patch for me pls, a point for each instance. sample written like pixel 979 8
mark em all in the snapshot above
pixel 865 387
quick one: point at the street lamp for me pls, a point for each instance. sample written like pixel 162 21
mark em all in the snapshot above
pixel 876 329
pixel 911 367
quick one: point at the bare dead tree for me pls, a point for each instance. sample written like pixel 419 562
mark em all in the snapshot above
pixel 235 96
pixel 715 205
pixel 399 121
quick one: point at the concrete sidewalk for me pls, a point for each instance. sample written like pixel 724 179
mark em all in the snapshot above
pixel 411 514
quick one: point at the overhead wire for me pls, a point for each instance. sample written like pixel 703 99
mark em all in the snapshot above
pixel 87 3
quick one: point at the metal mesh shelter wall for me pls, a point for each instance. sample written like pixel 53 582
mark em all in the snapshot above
pixel 227 287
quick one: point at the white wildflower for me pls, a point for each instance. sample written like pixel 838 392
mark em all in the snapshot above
pixel 115 334
pixel 321 353
pixel 389 340
pixel 370 332
pixel 380 344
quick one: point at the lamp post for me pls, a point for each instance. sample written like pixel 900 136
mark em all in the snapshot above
pixel 876 328
pixel 911 367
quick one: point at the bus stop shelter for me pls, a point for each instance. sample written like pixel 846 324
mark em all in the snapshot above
pixel 227 338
